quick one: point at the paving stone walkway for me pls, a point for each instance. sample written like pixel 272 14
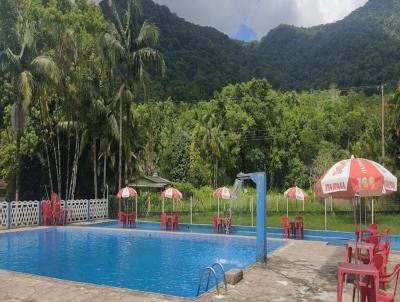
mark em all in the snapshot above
pixel 301 271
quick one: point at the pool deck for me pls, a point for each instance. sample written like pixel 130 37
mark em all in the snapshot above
pixel 300 271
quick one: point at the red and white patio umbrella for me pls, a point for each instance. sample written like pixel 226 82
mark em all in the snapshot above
pixel 295 193
pixel 171 193
pixel 357 177
pixel 126 193
pixel 223 193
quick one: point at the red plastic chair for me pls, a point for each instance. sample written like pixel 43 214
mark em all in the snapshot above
pixel 375 240
pixel 47 213
pixel 121 219
pixel 286 227
pixel 176 221
pixel 163 221
pixel 385 254
pixel 364 285
pixel 171 222
pixel 227 224
pixel 56 205
pixel 131 219
pixel 298 225
pixel 217 223
pixel 366 289
pixel 385 296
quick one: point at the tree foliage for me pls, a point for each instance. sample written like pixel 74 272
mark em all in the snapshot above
pixel 81 67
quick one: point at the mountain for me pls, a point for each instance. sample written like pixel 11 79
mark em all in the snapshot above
pixel 362 49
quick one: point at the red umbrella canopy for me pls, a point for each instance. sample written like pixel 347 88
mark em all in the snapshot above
pixel 172 193
pixel 357 177
pixel 318 189
pixel 223 193
pixel 126 192
pixel 296 193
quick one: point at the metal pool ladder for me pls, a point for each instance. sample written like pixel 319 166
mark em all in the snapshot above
pixel 210 269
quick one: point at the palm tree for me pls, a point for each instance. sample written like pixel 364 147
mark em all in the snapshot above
pixel 129 45
pixel 212 139
pixel 26 71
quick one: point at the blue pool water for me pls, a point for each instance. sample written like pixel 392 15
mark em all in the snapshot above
pixel 157 262
pixel 330 237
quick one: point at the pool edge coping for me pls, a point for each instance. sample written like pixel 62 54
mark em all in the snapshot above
pixel 79 283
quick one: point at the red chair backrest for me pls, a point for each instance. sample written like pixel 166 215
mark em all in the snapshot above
pixel 373 226
pixel 386 233
pixel 379 262
pixel 227 221
pixel 46 209
pixel 298 224
pixel 163 218
pixel 388 245
pixel 375 240
pixel 285 221
pixel 393 276
pixel 176 217
pixel 215 218
pixel 56 208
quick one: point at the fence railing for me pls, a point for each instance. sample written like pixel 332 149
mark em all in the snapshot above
pixel 28 213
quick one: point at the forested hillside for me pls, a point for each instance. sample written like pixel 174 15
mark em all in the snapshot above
pixel 200 60
pixel 360 50
pixel 73 120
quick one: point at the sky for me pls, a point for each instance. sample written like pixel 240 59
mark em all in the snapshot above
pixel 252 19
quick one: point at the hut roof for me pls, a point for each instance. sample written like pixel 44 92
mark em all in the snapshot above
pixel 154 181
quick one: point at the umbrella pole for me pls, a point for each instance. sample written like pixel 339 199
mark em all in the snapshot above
pixel 303 205
pixel 325 214
pixel 359 204
pixel 218 207
pixel 163 204
pixel 277 204
pixel 136 206
pixel 372 210
pixel 354 211
pixel 365 212
pixel 191 209
pixel 287 207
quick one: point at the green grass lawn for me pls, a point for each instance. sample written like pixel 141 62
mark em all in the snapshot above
pixel 204 205
pixel 312 221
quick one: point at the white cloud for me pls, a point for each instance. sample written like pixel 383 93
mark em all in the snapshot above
pixel 261 15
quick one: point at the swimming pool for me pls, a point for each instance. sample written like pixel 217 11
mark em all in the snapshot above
pixel 165 263
pixel 330 237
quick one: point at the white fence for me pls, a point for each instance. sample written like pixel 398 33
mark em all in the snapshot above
pixel 28 213
pixel 3 214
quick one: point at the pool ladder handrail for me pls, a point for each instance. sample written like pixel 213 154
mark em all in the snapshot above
pixel 210 269
pixel 223 272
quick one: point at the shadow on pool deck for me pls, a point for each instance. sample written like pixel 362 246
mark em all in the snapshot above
pixel 300 271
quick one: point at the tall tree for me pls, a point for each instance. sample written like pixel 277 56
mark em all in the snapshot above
pixel 20 60
pixel 130 46
pixel 212 139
